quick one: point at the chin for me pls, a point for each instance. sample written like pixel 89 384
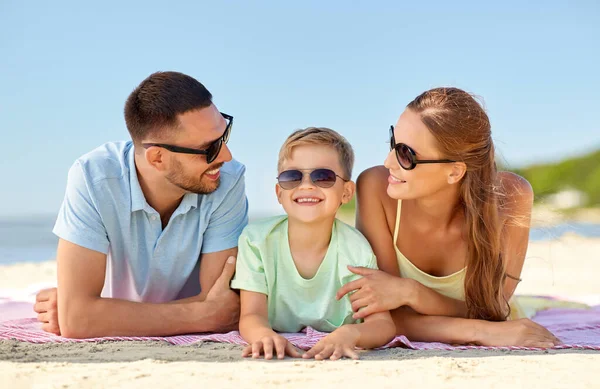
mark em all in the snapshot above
pixel 308 217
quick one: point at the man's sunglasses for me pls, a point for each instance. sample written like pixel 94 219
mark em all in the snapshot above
pixel 407 158
pixel 211 152
pixel 323 178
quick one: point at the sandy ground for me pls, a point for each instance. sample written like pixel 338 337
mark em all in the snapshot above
pixel 568 267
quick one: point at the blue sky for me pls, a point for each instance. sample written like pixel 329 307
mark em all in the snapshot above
pixel 67 67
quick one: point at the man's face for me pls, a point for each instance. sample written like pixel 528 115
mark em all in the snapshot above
pixel 190 172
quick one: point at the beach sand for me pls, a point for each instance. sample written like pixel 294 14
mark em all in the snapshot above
pixel 568 267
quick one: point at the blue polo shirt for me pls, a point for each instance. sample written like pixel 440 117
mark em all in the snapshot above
pixel 104 210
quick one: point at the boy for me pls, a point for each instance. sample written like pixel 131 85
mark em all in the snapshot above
pixel 290 267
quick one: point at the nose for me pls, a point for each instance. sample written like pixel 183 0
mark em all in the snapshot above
pixel 306 182
pixel 390 161
pixel 224 154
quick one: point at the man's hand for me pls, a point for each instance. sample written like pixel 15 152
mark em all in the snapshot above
pixel 225 300
pixel 46 308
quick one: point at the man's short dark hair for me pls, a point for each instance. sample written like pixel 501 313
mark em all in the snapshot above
pixel 154 105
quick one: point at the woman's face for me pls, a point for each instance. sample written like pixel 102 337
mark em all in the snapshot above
pixel 425 179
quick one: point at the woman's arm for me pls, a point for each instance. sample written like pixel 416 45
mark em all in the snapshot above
pixel 452 330
pixel 516 211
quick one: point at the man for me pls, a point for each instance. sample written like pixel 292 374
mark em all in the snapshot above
pixel 148 229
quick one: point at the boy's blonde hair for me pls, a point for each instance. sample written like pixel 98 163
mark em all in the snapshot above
pixel 319 136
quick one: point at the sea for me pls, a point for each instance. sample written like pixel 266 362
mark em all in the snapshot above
pixel 30 239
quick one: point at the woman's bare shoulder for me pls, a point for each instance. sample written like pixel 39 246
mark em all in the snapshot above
pixel 373 183
pixel 516 195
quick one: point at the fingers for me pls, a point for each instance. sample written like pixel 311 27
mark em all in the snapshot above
pixel 256 349
pixel 41 306
pixel 44 295
pixel 362 271
pixel 349 287
pixel 292 351
pixel 51 328
pixel 44 317
pixel 367 311
pixel 313 351
pixel 325 353
pixel 268 348
pixel 350 352
pixel 358 304
pixel 228 272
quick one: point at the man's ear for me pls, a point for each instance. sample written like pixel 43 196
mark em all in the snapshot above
pixel 349 189
pixel 278 192
pixel 155 157
pixel 457 172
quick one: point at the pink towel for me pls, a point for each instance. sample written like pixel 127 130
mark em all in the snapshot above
pixel 576 328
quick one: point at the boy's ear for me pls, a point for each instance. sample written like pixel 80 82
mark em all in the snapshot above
pixel 278 192
pixel 349 189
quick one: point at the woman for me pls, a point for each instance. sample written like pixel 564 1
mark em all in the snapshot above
pixel 450 233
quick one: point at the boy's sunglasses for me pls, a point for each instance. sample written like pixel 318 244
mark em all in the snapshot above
pixel 407 158
pixel 323 178
pixel 211 152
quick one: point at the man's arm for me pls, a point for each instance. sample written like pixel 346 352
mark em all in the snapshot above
pixel 82 313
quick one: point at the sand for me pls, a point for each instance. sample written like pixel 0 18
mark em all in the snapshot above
pixel 567 267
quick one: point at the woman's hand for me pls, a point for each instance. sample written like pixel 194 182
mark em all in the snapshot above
pixel 340 343
pixel 376 291
pixel 520 333
pixel 267 344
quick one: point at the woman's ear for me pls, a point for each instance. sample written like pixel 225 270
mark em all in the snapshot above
pixel 457 172
pixel 349 189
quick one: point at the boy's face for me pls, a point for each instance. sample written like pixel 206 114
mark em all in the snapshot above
pixel 308 202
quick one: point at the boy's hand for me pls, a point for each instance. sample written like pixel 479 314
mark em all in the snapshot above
pixel 340 343
pixel 267 343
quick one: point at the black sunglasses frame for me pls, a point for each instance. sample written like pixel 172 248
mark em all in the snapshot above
pixel 211 152
pixel 310 175
pixel 411 154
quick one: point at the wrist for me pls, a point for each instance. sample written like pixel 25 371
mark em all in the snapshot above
pixel 478 331
pixel 408 292
pixel 350 332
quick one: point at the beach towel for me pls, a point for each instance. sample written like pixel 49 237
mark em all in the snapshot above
pixel 577 328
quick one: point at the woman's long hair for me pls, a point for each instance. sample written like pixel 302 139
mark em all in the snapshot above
pixel 462 129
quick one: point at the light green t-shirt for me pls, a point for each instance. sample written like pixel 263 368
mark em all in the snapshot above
pixel 265 265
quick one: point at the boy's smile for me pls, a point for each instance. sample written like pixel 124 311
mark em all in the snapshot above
pixel 309 202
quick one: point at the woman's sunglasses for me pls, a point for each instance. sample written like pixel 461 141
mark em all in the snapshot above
pixel 211 152
pixel 323 178
pixel 407 158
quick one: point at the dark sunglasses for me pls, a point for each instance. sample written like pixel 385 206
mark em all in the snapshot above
pixel 323 178
pixel 211 152
pixel 407 158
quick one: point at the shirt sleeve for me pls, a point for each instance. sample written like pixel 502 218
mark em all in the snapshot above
pixel 78 220
pixel 370 262
pixel 228 220
pixel 249 269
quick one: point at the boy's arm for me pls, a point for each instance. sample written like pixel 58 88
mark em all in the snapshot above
pixel 254 316
pixel 255 329
pixel 376 330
